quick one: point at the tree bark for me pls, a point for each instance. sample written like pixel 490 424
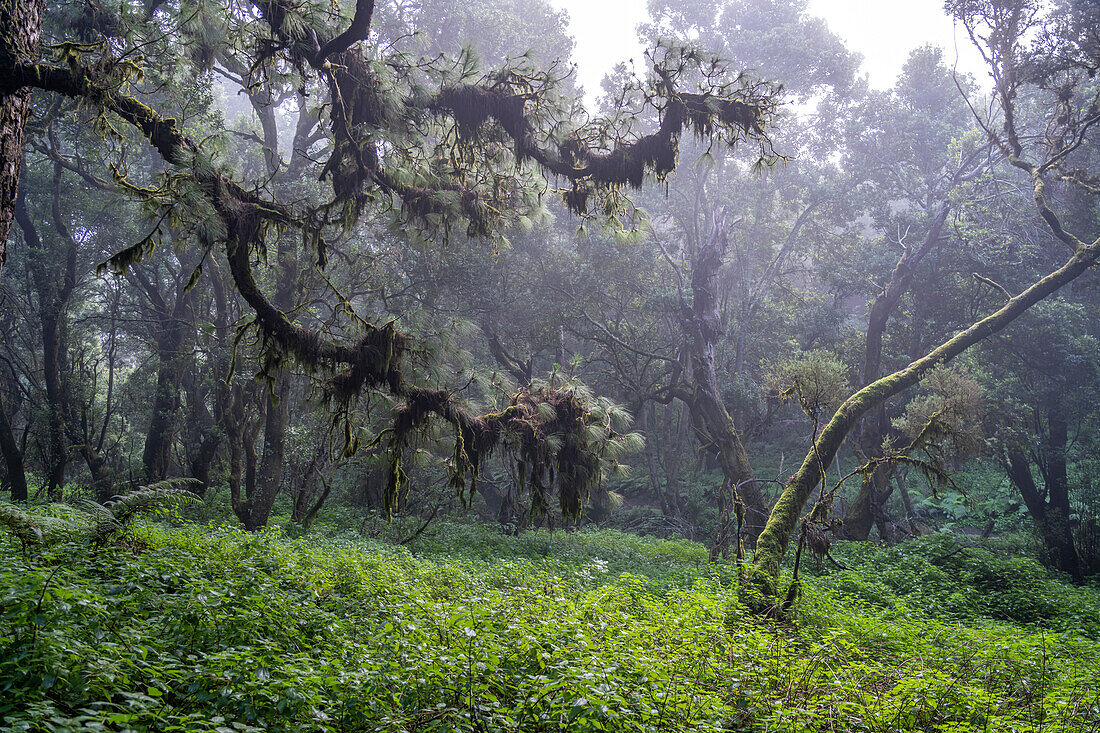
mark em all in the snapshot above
pixel 713 424
pixel 20 38
pixel 13 457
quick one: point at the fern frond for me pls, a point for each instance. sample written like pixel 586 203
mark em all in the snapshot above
pixel 104 523
pixel 162 494
pixel 20 524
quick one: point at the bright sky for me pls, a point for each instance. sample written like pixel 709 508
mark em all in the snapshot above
pixel 884 31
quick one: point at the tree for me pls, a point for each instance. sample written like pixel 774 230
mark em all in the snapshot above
pixel 1044 393
pixel 1000 30
pixel 918 162
pixel 439 144
pixel 20 38
pixel 726 276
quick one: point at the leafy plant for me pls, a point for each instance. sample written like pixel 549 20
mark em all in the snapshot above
pixel 213 628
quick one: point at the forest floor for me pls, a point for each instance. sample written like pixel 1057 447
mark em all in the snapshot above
pixel 184 627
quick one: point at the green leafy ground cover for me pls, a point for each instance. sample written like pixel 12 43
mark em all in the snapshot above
pixel 201 628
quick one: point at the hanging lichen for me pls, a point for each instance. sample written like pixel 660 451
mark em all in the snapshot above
pixel 558 436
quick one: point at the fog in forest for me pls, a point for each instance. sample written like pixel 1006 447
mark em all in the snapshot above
pixel 774 278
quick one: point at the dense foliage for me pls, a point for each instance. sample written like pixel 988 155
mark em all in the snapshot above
pixel 537 418
pixel 371 211
pixel 197 628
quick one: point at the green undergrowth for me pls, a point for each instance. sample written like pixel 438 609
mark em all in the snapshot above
pixel 194 628
pixel 940 578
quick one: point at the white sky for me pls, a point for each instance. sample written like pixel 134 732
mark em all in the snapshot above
pixel 884 31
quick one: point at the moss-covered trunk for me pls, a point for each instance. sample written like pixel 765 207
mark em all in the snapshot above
pixel 773 541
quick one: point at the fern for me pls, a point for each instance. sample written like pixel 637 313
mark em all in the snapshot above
pixel 104 523
pixel 112 516
pixel 160 495
pixel 20 524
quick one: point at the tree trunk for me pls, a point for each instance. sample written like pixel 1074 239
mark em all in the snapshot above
pixel 13 457
pixel 858 520
pixel 308 499
pixel 270 478
pixel 714 428
pixel 51 303
pixel 156 457
pixel 874 492
pixel 172 314
pixel 20 34
pixel 1049 508
pixel 906 501
pixel 103 480
pixel 203 459
pixel 241 436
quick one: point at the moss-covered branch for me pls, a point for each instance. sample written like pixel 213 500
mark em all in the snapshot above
pixel 625 164
pixel 773 541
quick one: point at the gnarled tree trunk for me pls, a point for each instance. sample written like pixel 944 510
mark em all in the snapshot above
pixel 713 424
pixel 20 37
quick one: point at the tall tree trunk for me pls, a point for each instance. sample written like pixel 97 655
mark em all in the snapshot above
pixel 906 501
pixel 156 458
pixel 171 307
pixel 714 427
pixel 13 457
pixel 51 302
pixel 58 448
pixel 270 478
pixel 869 505
pixel 171 331
pixel 664 489
pixel 1049 508
pixel 20 36
pixel 241 435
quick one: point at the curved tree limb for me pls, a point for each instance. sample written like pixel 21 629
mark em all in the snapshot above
pixel 784 517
